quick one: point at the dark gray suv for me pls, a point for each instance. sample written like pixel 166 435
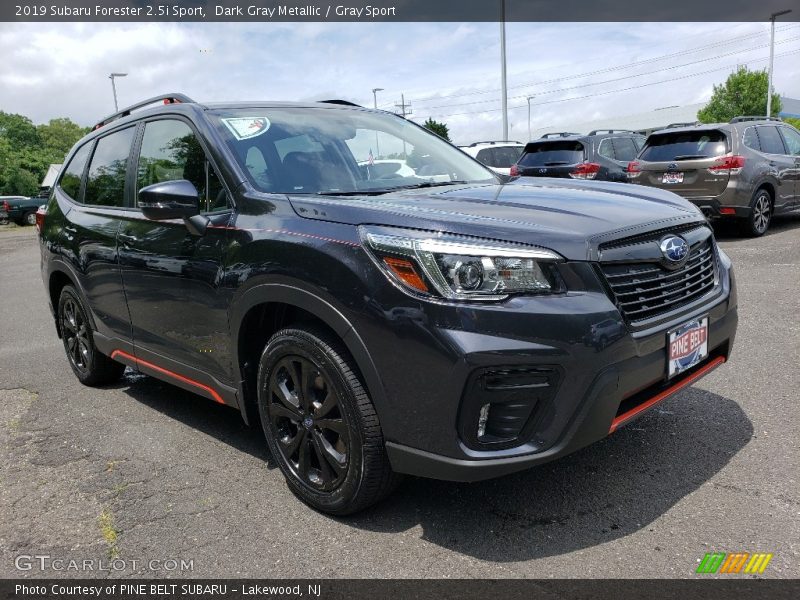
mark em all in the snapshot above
pixel 748 169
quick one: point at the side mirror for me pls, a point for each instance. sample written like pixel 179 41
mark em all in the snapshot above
pixel 169 200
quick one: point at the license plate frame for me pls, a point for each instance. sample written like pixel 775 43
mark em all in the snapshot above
pixel 687 346
pixel 672 177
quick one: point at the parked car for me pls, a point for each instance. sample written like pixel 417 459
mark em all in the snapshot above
pixel 498 156
pixel 602 155
pixel 746 169
pixel 20 209
pixel 459 329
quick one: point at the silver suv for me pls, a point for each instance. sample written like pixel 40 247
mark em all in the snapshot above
pixel 748 169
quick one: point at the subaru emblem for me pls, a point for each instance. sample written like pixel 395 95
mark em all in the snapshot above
pixel 674 248
pixel 542 170
pixel 672 167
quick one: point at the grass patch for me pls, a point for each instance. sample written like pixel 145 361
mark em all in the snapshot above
pixel 109 531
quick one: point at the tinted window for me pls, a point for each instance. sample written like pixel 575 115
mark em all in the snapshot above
pixel 171 151
pixel 505 156
pixel 625 149
pixel 685 145
pixel 792 139
pixel 486 156
pixel 71 177
pixel 105 185
pixel 552 154
pixel 771 141
pixel 639 141
pixel 750 139
pixel 606 149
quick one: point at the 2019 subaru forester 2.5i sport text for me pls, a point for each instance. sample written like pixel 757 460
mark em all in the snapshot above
pixel 441 324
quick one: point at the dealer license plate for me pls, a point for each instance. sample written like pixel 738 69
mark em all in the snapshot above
pixel 687 346
pixel 672 178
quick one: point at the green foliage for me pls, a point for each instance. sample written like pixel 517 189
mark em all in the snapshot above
pixel 743 93
pixel 27 150
pixel 793 122
pixel 439 129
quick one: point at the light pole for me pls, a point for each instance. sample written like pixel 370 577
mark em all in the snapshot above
pixel 503 67
pixel 772 18
pixel 375 104
pixel 529 116
pixel 114 87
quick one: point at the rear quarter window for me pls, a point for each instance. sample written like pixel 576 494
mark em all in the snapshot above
pixel 685 145
pixel 552 153
pixel 70 182
pixel 750 139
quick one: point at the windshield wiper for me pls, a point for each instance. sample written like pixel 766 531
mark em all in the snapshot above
pixel 689 156
pixel 379 191
pixel 427 184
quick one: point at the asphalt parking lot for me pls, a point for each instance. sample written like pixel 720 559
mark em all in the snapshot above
pixel 144 471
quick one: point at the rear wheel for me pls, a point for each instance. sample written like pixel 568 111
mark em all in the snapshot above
pixel 89 366
pixel 29 218
pixel 320 424
pixel 760 217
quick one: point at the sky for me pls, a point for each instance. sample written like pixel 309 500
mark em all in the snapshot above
pixel 576 72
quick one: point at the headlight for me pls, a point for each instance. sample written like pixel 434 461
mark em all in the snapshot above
pixel 461 269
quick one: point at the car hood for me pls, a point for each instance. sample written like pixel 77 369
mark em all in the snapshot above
pixel 570 217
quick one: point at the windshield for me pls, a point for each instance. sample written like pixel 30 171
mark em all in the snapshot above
pixel 546 154
pixel 341 151
pixel 685 145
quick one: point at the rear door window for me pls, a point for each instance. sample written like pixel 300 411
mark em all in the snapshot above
pixel 505 156
pixel 771 141
pixel 685 145
pixel 552 153
pixel 71 177
pixel 486 156
pixel 624 149
pixel 105 184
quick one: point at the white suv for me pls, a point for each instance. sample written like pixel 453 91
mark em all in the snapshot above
pixel 498 156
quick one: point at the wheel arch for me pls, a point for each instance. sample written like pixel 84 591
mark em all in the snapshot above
pixel 267 307
pixel 59 277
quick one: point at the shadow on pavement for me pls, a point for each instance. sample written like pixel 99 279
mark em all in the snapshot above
pixel 725 230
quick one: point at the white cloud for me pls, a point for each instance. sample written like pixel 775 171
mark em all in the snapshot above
pixel 51 70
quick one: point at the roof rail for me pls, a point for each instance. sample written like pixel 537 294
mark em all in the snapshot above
pixel 687 124
pixel 342 102
pixel 557 134
pixel 473 144
pixel 596 131
pixel 173 98
pixel 754 118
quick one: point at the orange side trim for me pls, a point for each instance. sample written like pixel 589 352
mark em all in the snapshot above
pixel 627 416
pixel 168 373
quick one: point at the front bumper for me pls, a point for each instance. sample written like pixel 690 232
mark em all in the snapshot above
pixel 602 386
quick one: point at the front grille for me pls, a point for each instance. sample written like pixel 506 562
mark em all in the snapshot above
pixel 646 289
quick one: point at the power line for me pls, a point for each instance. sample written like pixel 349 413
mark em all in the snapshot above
pixel 605 93
pixel 623 78
pixel 610 69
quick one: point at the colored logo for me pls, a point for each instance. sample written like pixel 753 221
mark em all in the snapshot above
pixel 734 562
pixel 672 167
pixel 674 249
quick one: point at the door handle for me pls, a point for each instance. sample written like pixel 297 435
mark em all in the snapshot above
pixel 127 239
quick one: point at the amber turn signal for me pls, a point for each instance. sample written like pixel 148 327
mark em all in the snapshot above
pixel 405 271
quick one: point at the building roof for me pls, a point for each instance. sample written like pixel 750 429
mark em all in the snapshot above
pixel 790 107
pixel 51 176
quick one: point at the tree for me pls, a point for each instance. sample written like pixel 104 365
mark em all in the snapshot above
pixel 59 135
pixel 439 129
pixel 743 93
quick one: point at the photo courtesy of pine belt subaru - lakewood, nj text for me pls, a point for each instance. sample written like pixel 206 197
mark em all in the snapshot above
pixel 434 319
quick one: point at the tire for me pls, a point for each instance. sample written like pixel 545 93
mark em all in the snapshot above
pixel 29 218
pixel 90 366
pixel 757 223
pixel 320 424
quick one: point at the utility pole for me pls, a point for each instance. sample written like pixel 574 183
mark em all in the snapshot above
pixel 772 18
pixel 529 116
pixel 503 67
pixel 405 109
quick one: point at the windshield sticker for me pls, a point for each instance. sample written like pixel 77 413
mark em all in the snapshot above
pixel 246 127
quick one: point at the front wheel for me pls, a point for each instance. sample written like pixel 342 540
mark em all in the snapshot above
pixel 758 222
pixel 90 366
pixel 29 218
pixel 320 424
